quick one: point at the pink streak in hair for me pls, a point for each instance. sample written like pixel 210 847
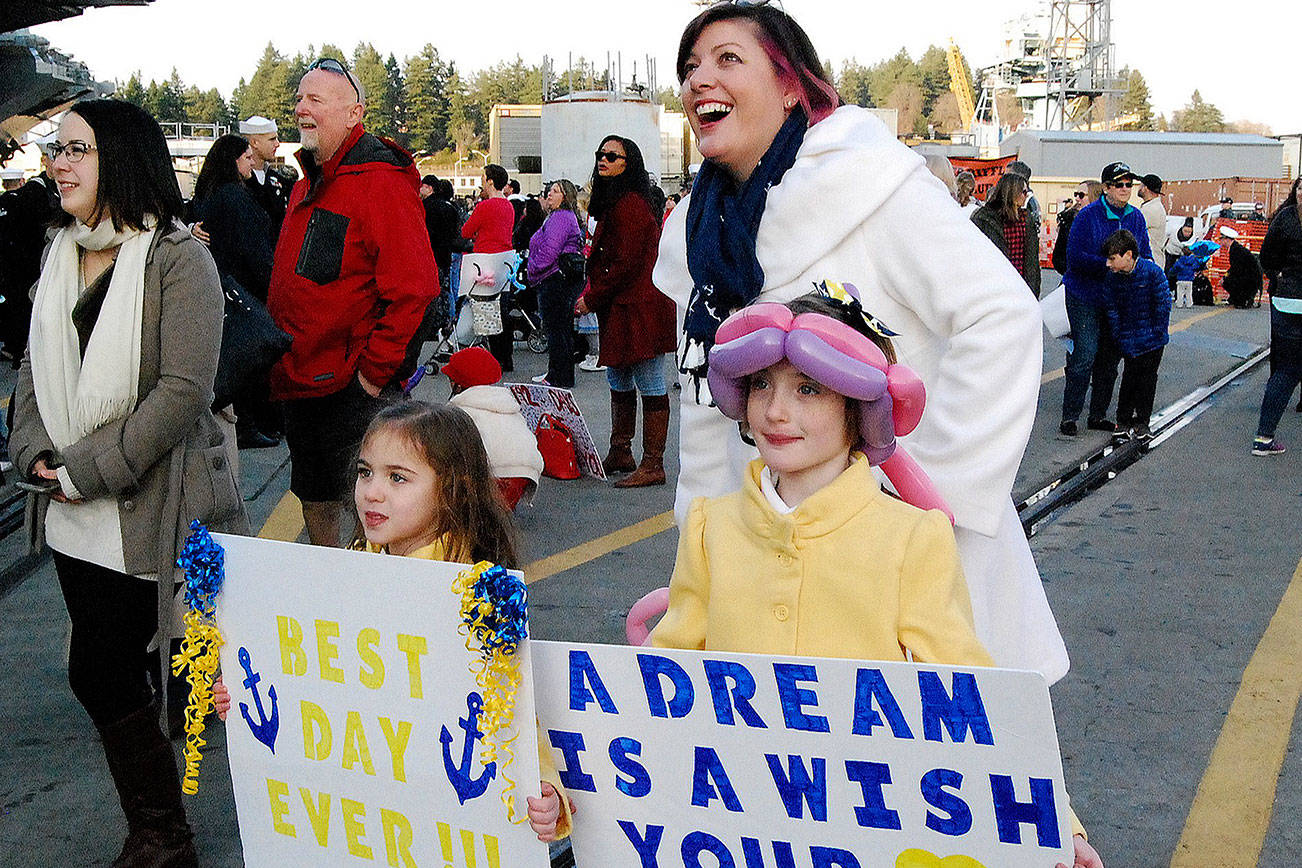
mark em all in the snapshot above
pixel 818 98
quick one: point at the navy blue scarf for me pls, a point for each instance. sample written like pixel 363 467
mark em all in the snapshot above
pixel 722 224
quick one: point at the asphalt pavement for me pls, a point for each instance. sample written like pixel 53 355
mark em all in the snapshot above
pixel 1164 582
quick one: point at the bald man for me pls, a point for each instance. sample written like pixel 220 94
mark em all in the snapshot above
pixel 353 275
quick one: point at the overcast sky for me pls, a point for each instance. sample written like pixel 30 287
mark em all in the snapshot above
pixel 1246 64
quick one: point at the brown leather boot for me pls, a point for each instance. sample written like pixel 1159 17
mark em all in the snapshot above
pixel 623 422
pixel 655 430
pixel 144 772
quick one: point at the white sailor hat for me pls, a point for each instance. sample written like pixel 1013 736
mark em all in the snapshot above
pixel 11 174
pixel 257 125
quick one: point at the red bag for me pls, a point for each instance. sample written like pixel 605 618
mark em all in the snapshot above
pixel 557 447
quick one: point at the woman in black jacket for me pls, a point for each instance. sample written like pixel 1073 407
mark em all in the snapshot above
pixel 239 233
pixel 1006 222
pixel 238 227
pixel 1281 255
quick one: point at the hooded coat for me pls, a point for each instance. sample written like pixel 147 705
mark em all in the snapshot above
pixel 512 448
pixel 353 270
pixel 966 325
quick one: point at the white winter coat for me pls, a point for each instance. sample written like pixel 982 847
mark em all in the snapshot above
pixel 858 207
pixel 511 447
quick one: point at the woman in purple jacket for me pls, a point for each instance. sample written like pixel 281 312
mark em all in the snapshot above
pixel 560 233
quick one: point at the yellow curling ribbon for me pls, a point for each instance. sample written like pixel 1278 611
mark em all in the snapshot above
pixel 493 615
pixel 204 564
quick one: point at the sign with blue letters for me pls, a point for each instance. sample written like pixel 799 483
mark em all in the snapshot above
pixel 355 733
pixel 689 759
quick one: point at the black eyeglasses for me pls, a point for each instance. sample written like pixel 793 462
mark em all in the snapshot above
pixel 74 150
pixel 609 156
pixel 330 64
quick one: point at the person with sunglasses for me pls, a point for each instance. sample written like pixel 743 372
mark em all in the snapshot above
pixel 797 188
pixel 636 321
pixel 352 277
pixel 1086 192
pixel 1092 363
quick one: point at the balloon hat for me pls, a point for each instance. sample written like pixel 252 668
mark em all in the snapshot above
pixel 890 396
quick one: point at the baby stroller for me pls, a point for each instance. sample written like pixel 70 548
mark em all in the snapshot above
pixel 522 313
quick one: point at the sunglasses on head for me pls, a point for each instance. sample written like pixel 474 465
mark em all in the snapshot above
pixel 330 64
pixel 609 156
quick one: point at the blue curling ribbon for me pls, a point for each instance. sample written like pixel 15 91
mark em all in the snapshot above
pixel 502 623
pixel 204 563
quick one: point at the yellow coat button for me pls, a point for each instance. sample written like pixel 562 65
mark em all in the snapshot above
pixel 781 612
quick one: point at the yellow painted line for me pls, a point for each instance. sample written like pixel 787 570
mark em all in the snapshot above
pixel 285 522
pixel 595 548
pixel 1230 816
pixel 1057 373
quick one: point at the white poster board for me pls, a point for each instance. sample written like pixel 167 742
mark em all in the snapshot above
pixel 686 758
pixel 537 401
pixel 362 753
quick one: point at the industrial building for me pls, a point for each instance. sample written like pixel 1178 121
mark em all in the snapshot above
pixel 1172 156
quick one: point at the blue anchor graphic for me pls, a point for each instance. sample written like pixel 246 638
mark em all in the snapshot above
pixel 459 776
pixel 264 730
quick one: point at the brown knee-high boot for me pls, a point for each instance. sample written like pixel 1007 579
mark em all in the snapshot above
pixel 623 422
pixel 144 772
pixel 655 430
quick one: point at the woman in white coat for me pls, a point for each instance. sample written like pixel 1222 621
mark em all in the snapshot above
pixel 797 189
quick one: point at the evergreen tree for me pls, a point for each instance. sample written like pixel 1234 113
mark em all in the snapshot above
pixel 171 99
pixel 426 99
pixel 368 66
pixel 1136 102
pixel 853 84
pixel 270 92
pixel 1199 116
pixel 133 91
pixel 398 97
pixel 207 107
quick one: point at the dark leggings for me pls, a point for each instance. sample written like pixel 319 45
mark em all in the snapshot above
pixel 114 618
pixel 556 298
pixel 1286 368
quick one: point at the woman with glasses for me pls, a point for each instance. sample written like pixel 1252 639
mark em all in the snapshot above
pixel 556 290
pixel 637 322
pixel 113 423
pixel 239 233
pixel 797 188
pixel 1005 221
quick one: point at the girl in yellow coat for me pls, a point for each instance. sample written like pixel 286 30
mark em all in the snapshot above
pixel 424 490
pixel 811 557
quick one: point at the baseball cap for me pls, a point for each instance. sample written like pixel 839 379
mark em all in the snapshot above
pixel 1152 182
pixel 1114 172
pixel 473 366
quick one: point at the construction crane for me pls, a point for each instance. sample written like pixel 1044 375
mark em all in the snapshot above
pixel 961 87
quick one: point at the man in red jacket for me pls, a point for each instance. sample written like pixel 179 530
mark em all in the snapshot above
pixel 353 275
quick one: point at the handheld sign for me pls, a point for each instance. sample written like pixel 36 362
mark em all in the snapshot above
pixel 356 729
pixel 537 401
pixel 688 758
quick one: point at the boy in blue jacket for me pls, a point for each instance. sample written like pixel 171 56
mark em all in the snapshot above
pixel 1139 312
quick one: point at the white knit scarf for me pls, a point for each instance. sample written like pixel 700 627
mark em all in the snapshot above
pixel 75 396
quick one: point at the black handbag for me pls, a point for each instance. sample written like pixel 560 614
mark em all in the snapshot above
pixel 251 343
pixel 572 265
